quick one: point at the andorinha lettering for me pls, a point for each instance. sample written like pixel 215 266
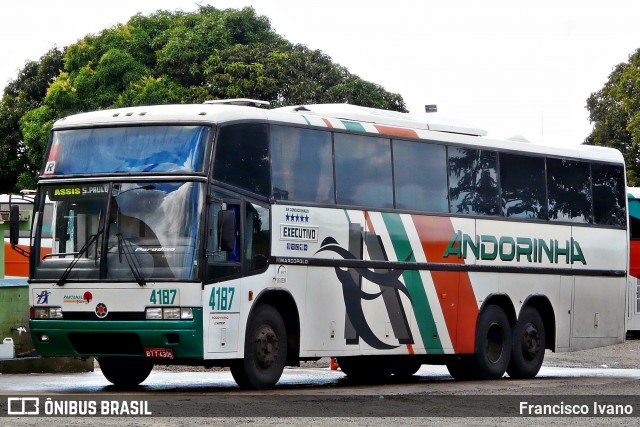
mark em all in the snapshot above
pixel 520 249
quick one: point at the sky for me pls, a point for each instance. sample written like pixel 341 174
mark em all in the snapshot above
pixel 511 67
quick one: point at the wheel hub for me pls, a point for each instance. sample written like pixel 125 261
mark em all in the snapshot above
pixel 530 341
pixel 266 346
pixel 494 342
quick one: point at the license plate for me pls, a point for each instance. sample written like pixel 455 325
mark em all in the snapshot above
pixel 158 353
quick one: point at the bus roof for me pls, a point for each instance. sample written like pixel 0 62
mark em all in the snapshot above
pixel 337 116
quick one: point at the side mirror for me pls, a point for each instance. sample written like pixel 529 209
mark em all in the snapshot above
pixel 14 225
pixel 227 230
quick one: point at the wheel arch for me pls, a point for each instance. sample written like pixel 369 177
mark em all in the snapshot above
pixel 504 302
pixel 286 306
pixel 542 304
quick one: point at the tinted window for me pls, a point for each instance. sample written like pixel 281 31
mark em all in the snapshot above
pixel 363 171
pixel 302 165
pixel 242 157
pixel 569 187
pixel 608 194
pixel 473 181
pixel 523 186
pixel 256 237
pixel 127 149
pixel 420 173
pixel 634 217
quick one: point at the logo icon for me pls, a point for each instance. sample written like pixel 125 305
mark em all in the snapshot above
pixel 23 406
pixel 43 297
pixel 87 297
pixel 101 311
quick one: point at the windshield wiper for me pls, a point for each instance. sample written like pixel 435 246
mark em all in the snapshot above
pixel 124 247
pixel 93 238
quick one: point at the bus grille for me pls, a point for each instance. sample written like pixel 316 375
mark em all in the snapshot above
pixel 97 343
pixel 116 315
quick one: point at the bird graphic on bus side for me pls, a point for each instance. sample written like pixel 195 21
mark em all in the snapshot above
pixel 353 294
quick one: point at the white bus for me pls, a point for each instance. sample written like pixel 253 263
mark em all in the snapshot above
pixel 230 235
pixel 633 296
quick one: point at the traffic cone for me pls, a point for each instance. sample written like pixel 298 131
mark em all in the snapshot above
pixel 334 364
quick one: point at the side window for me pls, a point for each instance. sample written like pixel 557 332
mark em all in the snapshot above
pixel 608 194
pixel 569 187
pixel 257 237
pixel 420 172
pixel 363 171
pixel 634 218
pixel 523 186
pixel 222 264
pixel 473 181
pixel 242 157
pixel 302 165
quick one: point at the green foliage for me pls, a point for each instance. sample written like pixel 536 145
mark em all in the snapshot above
pixel 615 112
pixel 167 57
pixel 25 93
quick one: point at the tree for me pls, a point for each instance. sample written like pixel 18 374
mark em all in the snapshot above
pixel 615 112
pixel 22 95
pixel 168 57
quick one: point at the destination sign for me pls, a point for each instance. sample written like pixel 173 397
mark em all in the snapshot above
pixel 60 193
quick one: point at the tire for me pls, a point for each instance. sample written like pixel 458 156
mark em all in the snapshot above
pixel 265 350
pixel 125 372
pixel 528 345
pixel 365 369
pixel 493 343
pixel 405 367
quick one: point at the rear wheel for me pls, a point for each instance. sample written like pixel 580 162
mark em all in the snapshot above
pixel 265 350
pixel 527 351
pixel 493 343
pixel 125 372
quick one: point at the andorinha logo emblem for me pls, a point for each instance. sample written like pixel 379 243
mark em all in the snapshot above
pixel 519 249
pixel 77 298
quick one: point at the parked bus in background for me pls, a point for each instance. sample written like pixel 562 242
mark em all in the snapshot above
pixel 15 258
pixel 229 235
pixel 633 292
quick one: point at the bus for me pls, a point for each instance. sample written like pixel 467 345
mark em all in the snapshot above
pixel 633 297
pixel 225 234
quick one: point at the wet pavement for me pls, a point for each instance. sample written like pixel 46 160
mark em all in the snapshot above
pixel 294 380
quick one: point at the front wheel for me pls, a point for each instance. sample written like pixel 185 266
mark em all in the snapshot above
pixel 125 372
pixel 527 352
pixel 265 350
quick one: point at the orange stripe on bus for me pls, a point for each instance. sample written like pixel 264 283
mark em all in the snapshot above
pixel 389 130
pixel 327 122
pixel 455 293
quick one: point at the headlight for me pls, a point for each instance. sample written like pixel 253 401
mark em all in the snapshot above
pixel 169 313
pixel 47 313
pixel 154 313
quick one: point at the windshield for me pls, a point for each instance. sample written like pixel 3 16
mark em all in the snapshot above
pixel 147 230
pixel 127 149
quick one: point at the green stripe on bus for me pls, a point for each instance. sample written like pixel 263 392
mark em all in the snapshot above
pixel 355 126
pixel 305 119
pixel 413 282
